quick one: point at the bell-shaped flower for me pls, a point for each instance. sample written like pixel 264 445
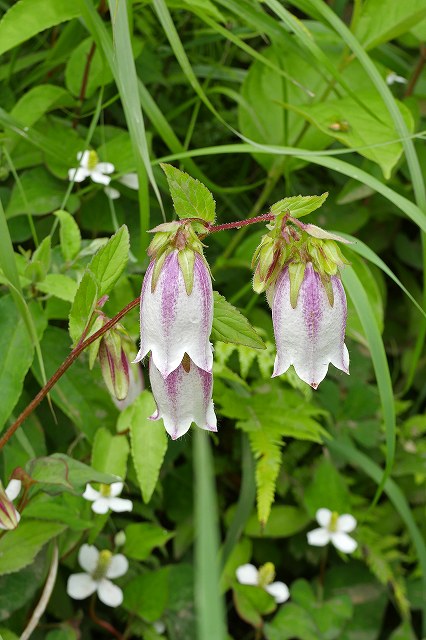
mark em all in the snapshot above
pixel 9 517
pixel 107 499
pixel 310 334
pixel 333 528
pixel 174 322
pixel 263 577
pixel 99 567
pixel 90 167
pixel 185 396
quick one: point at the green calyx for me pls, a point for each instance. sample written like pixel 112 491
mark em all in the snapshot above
pixel 269 258
pixel 170 237
pixel 325 255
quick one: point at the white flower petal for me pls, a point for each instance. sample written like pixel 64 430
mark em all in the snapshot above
pixel 118 505
pixel 80 586
pixel 113 194
pixel 323 517
pixel 13 488
pixel 101 505
pixel 105 167
pixel 116 488
pixel 279 591
pixel 318 537
pixel 109 593
pixel 182 398
pixel 312 335
pixel 77 175
pixel 346 523
pixel 118 566
pixel 130 180
pixel 99 178
pixel 343 542
pixel 159 626
pixel 247 574
pixel 173 323
pixel 88 557
pixel 90 493
pixel 84 157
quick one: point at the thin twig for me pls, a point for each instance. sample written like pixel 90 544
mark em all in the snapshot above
pixel 45 596
pixel 103 623
pixel 417 71
pixel 84 82
pixel 62 369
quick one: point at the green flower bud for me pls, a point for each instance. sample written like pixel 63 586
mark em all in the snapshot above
pixel 114 364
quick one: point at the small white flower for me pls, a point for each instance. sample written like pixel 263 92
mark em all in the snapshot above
pixel 159 627
pixel 107 499
pixel 90 167
pixel 130 180
pixel 98 567
pixel 262 577
pixel 111 193
pixel 392 77
pixel 9 517
pixel 333 528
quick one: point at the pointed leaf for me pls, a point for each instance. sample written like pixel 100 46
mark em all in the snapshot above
pixel 191 198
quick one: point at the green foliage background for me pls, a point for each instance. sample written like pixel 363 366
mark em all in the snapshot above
pixel 258 101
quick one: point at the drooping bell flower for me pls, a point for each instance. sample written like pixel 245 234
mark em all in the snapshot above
pixel 185 396
pixel 176 310
pixel 9 516
pixel 310 327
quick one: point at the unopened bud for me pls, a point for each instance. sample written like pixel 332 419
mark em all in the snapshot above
pixel 120 539
pixel 9 517
pixel 114 364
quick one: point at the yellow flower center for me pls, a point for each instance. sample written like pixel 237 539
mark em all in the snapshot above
pixel 104 561
pixel 93 160
pixel 266 574
pixel 105 490
pixel 333 522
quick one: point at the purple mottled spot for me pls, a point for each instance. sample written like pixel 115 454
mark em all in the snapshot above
pixel 170 274
pixel 204 280
pixel 311 301
pixel 339 290
pixel 206 384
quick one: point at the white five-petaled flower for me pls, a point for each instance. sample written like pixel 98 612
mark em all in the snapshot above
pixel 106 499
pixel 311 335
pixel 333 528
pixel 174 323
pixel 90 167
pixel 262 577
pixel 99 566
pixel 185 396
pixel 392 78
pixel 9 517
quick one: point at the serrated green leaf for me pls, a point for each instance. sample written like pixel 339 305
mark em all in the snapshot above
pixel 63 473
pixel 19 547
pixel 100 276
pixel 299 206
pixel 327 489
pixel 149 444
pixel 26 18
pixel 229 325
pixel 109 453
pixel 191 198
pixel 69 234
pixel 142 538
pixel 58 285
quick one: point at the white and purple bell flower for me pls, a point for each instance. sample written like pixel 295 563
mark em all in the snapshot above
pixel 185 396
pixel 174 323
pixel 312 334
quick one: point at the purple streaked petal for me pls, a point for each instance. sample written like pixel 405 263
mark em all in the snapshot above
pixel 312 335
pixel 173 323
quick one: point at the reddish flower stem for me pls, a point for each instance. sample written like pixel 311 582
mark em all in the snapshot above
pixel 103 623
pixel 62 369
pixel 240 223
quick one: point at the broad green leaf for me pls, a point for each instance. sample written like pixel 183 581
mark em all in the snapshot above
pixel 229 325
pixel 252 602
pixel 99 73
pixel 327 489
pixel 37 269
pixel 69 234
pixel 142 538
pixel 80 393
pixel 37 101
pixel 100 276
pixel 58 285
pixel 284 521
pixel 299 206
pixel 63 473
pixel 147 595
pixel 380 21
pixel 354 127
pixel 148 442
pixel 191 198
pixel 16 353
pixel 19 547
pixel 42 190
pixel 109 453
pixel 26 18
pixel 49 506
pixel 18 588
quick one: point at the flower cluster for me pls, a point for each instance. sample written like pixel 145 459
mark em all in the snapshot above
pixel 176 316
